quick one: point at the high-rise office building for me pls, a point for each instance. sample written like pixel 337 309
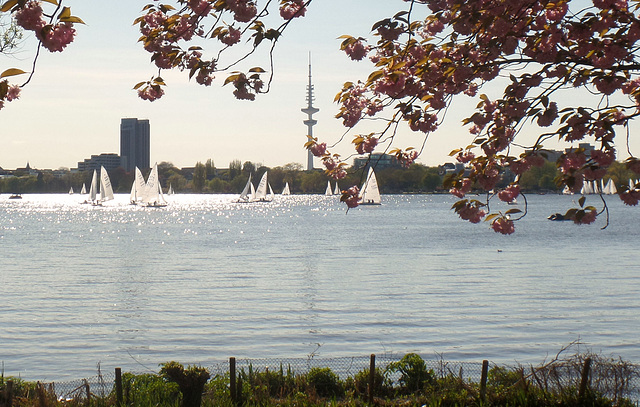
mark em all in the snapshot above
pixel 135 144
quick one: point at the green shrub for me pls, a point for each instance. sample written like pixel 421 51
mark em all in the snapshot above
pixel 191 381
pixel 324 382
pixel 414 374
pixel 149 390
pixel 382 386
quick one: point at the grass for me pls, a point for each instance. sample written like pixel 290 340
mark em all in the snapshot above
pixel 405 382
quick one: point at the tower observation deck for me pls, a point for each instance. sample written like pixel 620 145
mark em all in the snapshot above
pixel 310 122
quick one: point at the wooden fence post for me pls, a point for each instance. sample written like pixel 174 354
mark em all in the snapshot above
pixel 584 382
pixel 8 393
pixel 119 400
pixel 372 377
pixel 232 379
pixel 483 380
pixel 88 390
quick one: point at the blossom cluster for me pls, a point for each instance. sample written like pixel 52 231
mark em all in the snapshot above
pixel 544 48
pixel 8 92
pixel 167 32
pixel 54 37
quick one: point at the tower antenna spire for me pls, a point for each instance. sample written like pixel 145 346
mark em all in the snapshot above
pixel 310 122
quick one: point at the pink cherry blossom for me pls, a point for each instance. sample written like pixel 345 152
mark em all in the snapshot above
pixel 510 193
pixel 585 217
pixel 59 37
pixel 232 37
pixel 503 225
pixel 631 197
pixel 318 150
pixel 151 93
pixel 200 7
pixel 466 157
pixel 406 158
pixel 29 17
pixel 471 212
pixel 367 145
pixel 462 189
pixel 338 173
pixel 292 9
pixel 351 197
pixel 13 93
pixel 356 50
pixel 329 163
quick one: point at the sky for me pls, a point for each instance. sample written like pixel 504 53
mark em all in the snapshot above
pixel 73 105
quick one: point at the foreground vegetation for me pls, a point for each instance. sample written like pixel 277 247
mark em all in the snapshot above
pixel 581 380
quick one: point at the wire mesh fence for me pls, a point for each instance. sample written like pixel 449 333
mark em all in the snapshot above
pixel 613 378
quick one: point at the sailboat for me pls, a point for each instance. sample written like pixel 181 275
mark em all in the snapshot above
pixel 328 191
pixel 261 191
pixel 336 190
pixel 138 187
pixel 106 191
pixel 587 188
pixel 369 193
pixel 285 190
pixel 248 193
pixel 610 188
pixel 83 191
pixel 153 197
pixel 170 191
pixel 71 191
pixel 93 190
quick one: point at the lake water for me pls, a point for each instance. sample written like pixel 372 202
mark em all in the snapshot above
pixel 205 279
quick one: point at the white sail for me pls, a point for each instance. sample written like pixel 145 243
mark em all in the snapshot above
pixel 153 190
pixel 248 189
pixel 93 190
pixel 336 190
pixel 83 190
pixel 271 194
pixel 106 191
pixel 587 188
pixel 71 191
pixel 610 188
pixel 138 188
pixel 170 191
pixel 261 191
pixel 370 194
pixel 286 190
pixel 328 190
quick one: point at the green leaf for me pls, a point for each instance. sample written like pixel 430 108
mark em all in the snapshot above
pixel 581 201
pixel 375 75
pixel 11 72
pixel 491 217
pixel 72 19
pixel 510 211
pixel 257 69
pixel 8 5
pixel 65 13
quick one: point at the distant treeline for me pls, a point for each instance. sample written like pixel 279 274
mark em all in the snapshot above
pixel 205 178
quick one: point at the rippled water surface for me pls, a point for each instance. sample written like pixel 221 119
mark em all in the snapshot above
pixel 205 279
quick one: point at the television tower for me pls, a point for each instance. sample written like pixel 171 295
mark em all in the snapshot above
pixel 310 110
